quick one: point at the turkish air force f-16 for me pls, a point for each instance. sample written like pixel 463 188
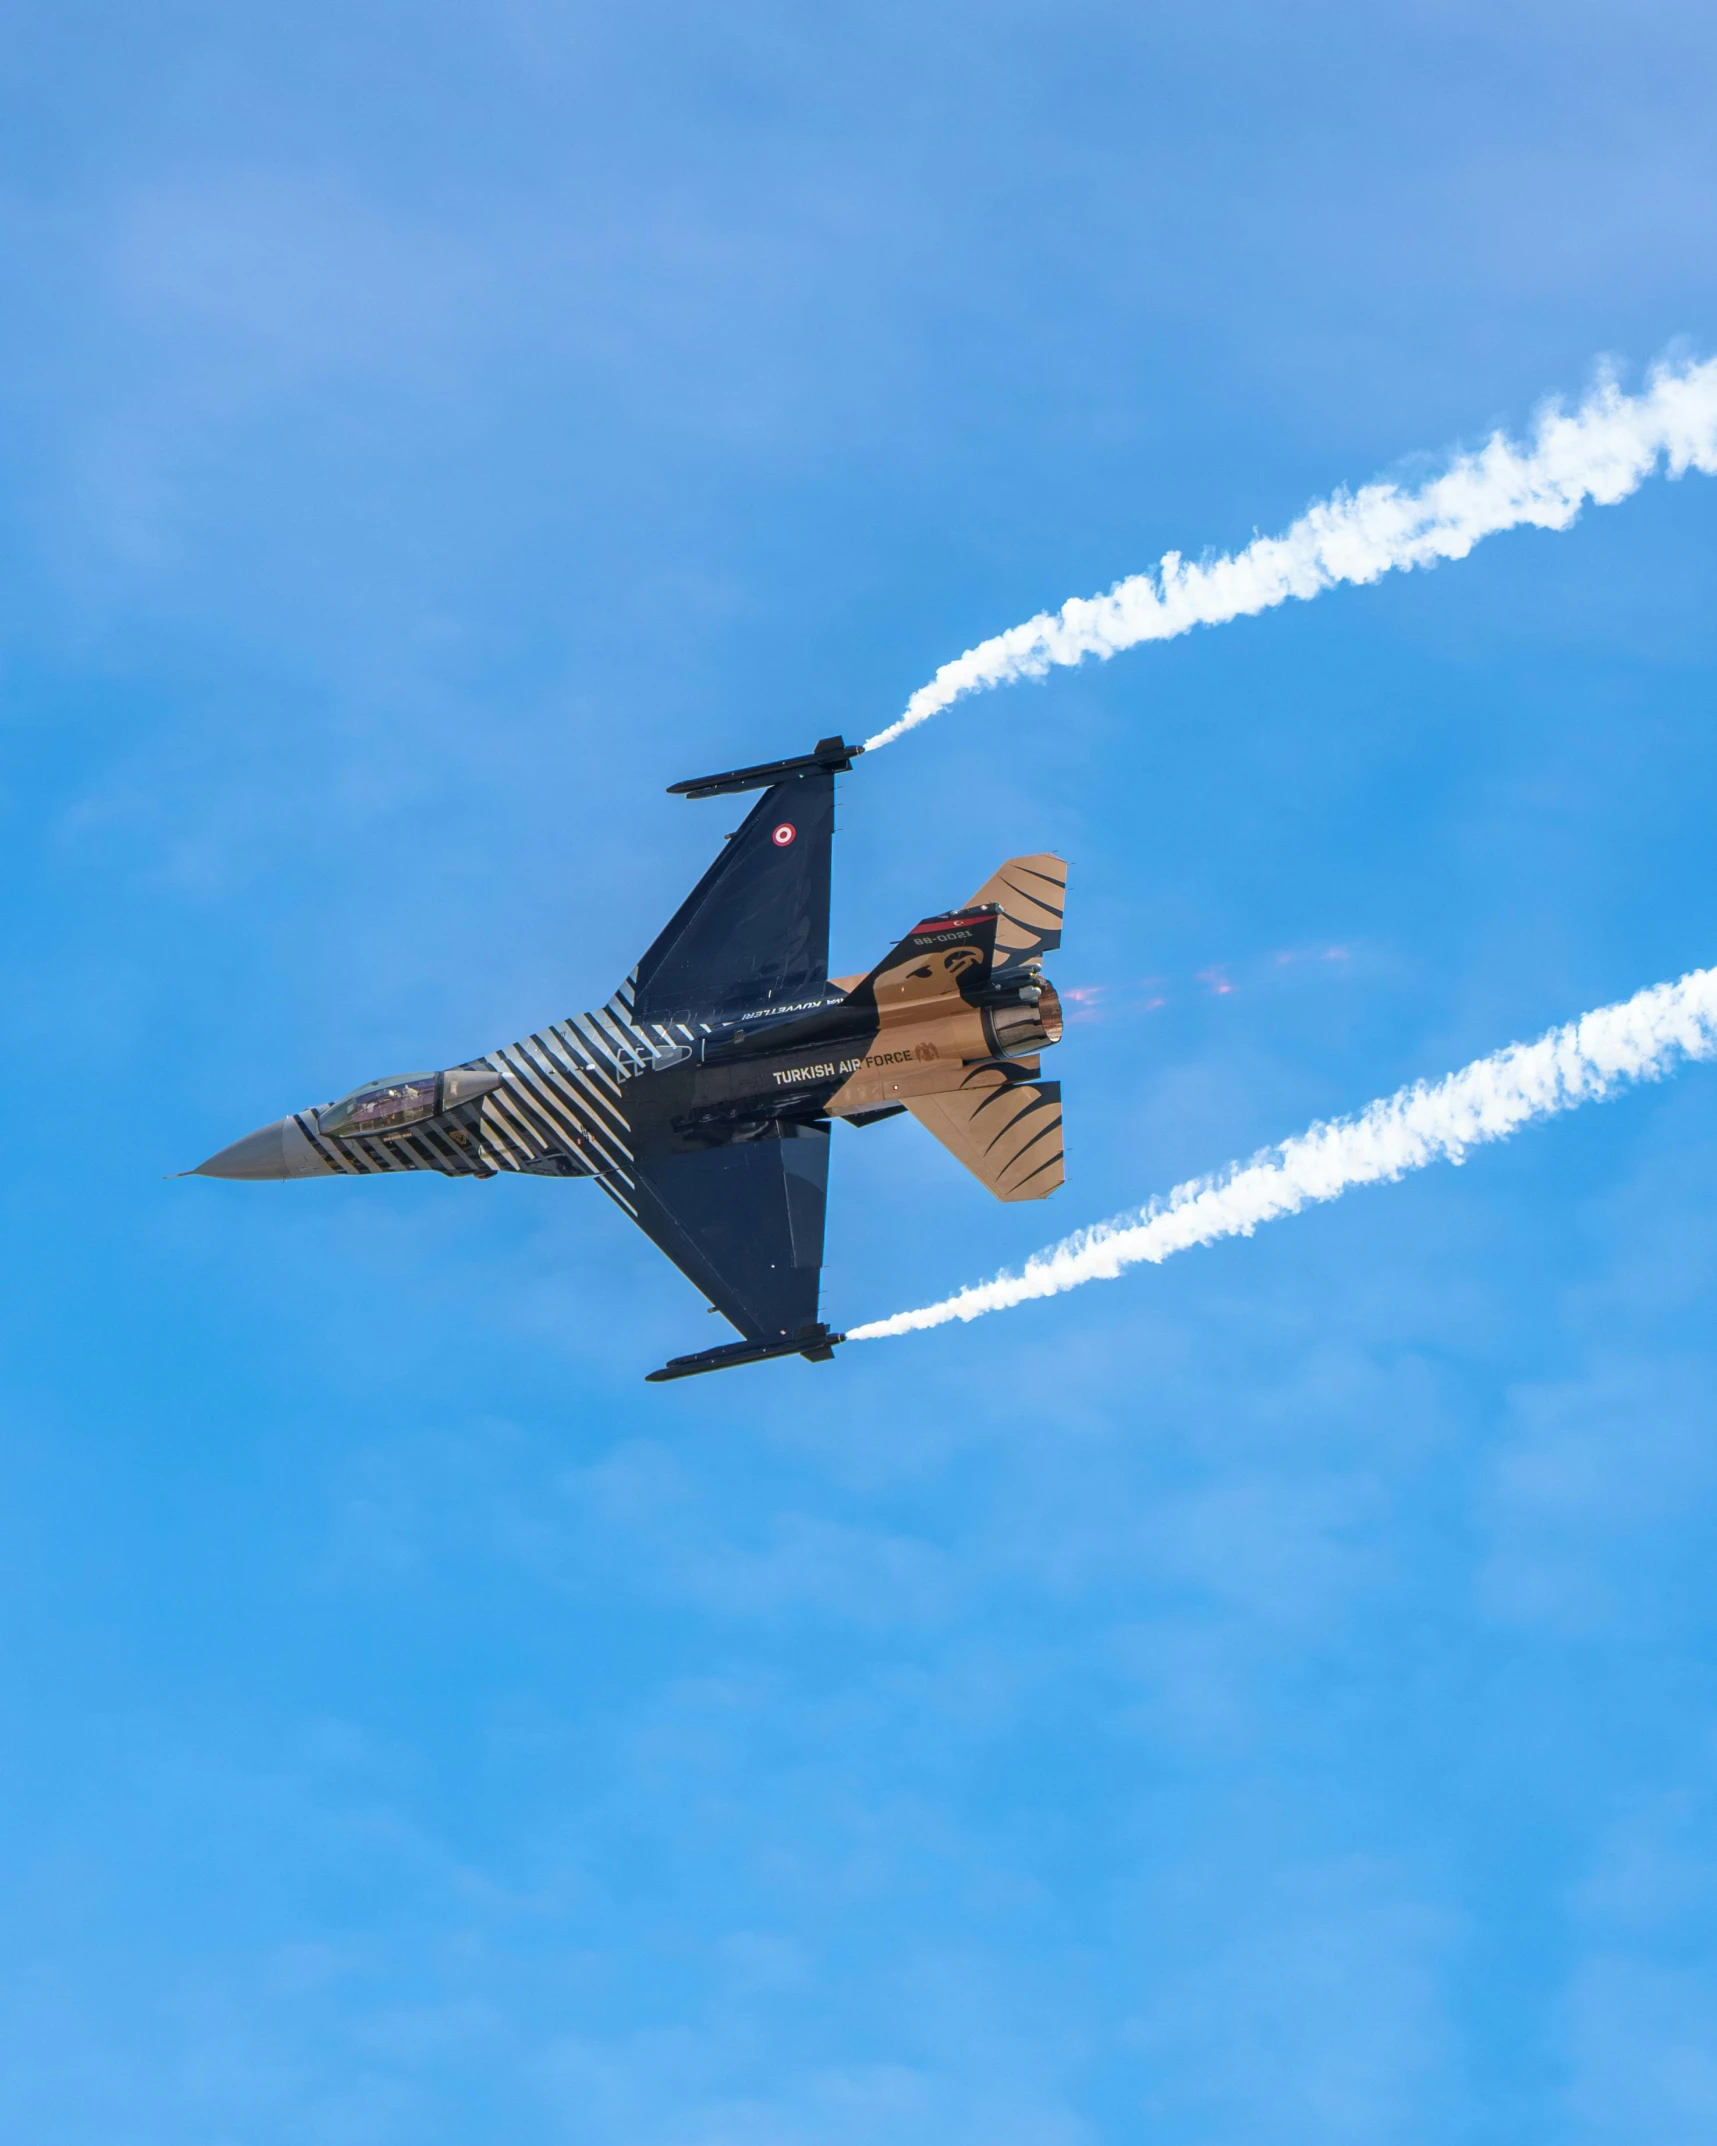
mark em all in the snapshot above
pixel 700 1097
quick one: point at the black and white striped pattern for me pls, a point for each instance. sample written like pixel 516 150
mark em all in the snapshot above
pixel 559 1113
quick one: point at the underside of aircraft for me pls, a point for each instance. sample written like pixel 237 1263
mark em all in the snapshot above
pixel 701 1096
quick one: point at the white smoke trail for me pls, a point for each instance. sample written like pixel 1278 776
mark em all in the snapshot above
pixel 1603 451
pixel 1643 1038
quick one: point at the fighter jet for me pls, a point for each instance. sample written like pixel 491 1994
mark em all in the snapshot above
pixel 700 1098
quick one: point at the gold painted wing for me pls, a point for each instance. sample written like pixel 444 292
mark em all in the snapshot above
pixel 1032 892
pixel 1004 1125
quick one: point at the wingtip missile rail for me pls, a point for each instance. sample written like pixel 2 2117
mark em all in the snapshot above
pixel 831 756
pixel 814 1343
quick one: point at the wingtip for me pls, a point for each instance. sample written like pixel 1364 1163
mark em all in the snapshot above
pixel 830 756
pixel 815 1343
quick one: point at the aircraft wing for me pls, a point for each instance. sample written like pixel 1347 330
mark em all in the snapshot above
pixel 1004 1124
pixel 743 1221
pixel 753 934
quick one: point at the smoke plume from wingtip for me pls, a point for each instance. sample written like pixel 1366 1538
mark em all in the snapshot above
pixel 1642 1038
pixel 1602 451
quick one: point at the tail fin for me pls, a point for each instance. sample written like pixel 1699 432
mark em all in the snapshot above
pixel 1014 917
pixel 933 961
pixel 1002 1121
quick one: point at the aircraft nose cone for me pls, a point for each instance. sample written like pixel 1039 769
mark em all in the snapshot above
pixel 274 1151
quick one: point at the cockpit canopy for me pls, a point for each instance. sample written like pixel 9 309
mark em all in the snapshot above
pixel 382 1107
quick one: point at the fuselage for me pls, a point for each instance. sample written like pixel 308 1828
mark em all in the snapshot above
pixel 567 1100
pixel 910 1029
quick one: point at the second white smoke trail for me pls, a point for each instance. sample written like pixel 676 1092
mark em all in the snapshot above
pixel 1600 452
pixel 1642 1038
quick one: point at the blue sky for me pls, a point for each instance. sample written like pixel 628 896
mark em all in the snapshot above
pixel 1271 1698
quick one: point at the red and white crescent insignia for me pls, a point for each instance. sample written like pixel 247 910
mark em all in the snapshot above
pixel 784 834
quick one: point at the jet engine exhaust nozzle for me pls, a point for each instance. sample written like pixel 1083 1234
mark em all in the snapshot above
pixel 1025 1021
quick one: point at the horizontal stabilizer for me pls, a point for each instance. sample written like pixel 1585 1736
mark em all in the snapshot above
pixel 833 756
pixel 1004 1124
pixel 815 1343
pixel 1032 895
